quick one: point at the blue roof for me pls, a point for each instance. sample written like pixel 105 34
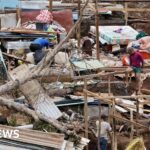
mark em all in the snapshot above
pixel 9 3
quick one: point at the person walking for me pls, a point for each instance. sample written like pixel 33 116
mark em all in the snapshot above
pixel 105 130
pixel 136 62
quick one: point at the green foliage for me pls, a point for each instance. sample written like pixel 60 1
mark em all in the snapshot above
pixel 12 121
pixel 43 126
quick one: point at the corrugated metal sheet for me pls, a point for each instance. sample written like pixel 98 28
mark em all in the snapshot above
pixel 52 140
pixel 16 144
pixel 35 94
pixel 87 64
pixel 47 108
pixel 5 147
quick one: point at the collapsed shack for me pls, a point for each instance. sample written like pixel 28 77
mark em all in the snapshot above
pixel 85 90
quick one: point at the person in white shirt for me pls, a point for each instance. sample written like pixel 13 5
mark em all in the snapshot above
pixel 105 130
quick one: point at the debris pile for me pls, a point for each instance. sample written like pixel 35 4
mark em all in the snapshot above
pixel 58 86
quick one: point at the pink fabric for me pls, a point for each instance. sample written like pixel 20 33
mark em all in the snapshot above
pixel 144 42
pixel 58 16
pixel 45 16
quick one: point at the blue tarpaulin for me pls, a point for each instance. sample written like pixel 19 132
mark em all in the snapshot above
pixel 9 3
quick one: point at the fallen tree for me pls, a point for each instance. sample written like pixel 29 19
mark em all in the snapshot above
pixel 46 61
pixel 38 71
pixel 36 116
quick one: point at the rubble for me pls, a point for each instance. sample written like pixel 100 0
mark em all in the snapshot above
pixel 55 103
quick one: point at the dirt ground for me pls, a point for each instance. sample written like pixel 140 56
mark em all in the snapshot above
pixel 122 141
pixel 141 15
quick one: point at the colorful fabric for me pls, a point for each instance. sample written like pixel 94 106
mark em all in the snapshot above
pixel 144 42
pixel 117 34
pixel 136 70
pixel 141 34
pixel 136 60
pixel 42 42
pixel 44 17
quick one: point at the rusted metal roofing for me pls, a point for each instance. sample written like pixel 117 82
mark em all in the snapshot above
pixel 48 139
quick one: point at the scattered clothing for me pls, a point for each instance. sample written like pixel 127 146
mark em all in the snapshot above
pixel 144 43
pixel 141 35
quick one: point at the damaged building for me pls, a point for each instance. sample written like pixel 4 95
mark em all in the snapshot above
pixel 74 75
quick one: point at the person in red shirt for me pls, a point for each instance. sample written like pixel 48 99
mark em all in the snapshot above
pixel 137 63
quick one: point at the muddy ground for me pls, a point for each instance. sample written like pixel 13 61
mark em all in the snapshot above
pixel 141 16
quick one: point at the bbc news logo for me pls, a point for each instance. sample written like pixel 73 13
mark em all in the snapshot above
pixel 9 134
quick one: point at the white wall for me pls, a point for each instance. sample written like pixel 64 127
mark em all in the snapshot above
pixel 8 20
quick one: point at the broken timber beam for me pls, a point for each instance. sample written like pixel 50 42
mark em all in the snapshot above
pixel 35 115
pixel 15 57
pixel 112 97
pixel 126 120
pixel 99 75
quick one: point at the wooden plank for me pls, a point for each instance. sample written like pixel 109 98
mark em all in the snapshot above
pixel 132 126
pixel 100 74
pixel 97 30
pixel 15 57
pixel 86 111
pixel 132 122
pixel 111 97
pixel 126 13
pixel 28 31
pixel 79 26
pixel 50 5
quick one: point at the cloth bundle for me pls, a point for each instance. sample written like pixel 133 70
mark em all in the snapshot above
pixel 44 17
